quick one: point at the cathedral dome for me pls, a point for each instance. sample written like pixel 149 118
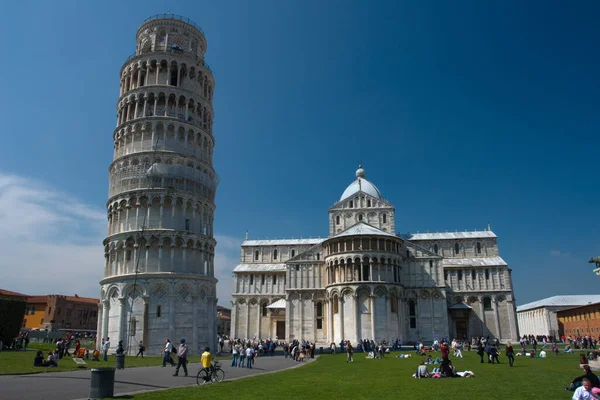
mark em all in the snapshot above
pixel 361 184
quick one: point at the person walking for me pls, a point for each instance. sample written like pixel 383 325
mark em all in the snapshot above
pixel 141 349
pixel 510 354
pixel 167 354
pixel 349 353
pixel 480 351
pixel 105 348
pixel 182 353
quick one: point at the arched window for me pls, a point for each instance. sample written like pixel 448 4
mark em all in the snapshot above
pixel 319 313
pixel 335 305
pixel 264 309
pixel 445 275
pixel 478 248
pixel 368 202
pixel 351 204
pixel 473 274
pixel 456 248
pixel 360 217
pixel 337 220
pixel 158 310
pixel 256 255
pixel 460 275
pixel 487 274
pixel 430 264
pixel 275 254
pixel 412 312
pixel 435 248
pixel 487 303
pixel 384 218
pixel 394 304
pixel 293 253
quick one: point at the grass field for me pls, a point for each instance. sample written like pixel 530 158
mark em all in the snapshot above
pixel 21 362
pixel 330 377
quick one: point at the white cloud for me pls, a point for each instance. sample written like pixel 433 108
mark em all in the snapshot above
pixel 51 242
pixel 558 253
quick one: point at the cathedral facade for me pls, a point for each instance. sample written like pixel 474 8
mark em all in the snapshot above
pixel 366 282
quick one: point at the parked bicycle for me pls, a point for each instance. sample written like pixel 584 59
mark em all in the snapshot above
pixel 214 374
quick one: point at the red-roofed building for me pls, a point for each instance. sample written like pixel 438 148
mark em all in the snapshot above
pixel 223 321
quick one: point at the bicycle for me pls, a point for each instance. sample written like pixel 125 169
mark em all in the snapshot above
pixel 216 374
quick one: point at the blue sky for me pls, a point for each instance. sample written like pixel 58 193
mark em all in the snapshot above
pixel 462 113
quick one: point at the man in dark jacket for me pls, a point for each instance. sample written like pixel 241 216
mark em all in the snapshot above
pixel 589 375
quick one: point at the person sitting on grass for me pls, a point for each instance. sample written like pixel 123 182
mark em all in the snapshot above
pixel 429 360
pixel 51 361
pixel 96 355
pixel 589 376
pixel 583 359
pixel 555 349
pixel 568 349
pixel 38 361
pixel 422 371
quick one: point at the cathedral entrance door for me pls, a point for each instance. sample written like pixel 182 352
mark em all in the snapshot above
pixel 461 329
pixel 280 330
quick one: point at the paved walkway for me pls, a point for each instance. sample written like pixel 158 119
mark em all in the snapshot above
pixel 75 384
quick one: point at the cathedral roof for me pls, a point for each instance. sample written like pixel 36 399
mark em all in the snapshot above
pixel 260 268
pixel 282 242
pixel 448 235
pixel 474 262
pixel 561 301
pixel 361 184
pixel 362 229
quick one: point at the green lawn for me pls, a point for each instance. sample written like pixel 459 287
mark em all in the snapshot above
pixel 21 362
pixel 330 377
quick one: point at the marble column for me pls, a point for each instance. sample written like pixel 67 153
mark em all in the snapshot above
pixel 195 345
pixel 145 321
pixel 482 316
pixel 234 307
pixel 123 323
pixel 341 312
pixel 372 309
pixel 330 337
pixel 172 316
pixel 357 321
pixel 300 316
pixel 288 309
pixel 247 320
pixel 258 317
pixel 105 312
pixel 497 319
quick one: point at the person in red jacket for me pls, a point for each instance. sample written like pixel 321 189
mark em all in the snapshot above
pixel 445 350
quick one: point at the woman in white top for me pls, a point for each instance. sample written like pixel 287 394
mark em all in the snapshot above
pixel 236 354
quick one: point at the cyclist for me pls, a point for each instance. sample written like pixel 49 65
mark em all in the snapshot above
pixel 206 361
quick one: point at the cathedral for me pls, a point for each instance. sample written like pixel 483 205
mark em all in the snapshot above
pixel 367 282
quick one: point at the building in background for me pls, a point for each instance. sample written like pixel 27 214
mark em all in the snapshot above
pixel 223 321
pixel 580 321
pixel 539 318
pixel 366 282
pixel 159 279
pixel 53 311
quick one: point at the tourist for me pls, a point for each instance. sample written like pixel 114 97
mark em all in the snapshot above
pixel 588 375
pixel 446 368
pixel 38 361
pixel 480 351
pixel 242 356
pixel 332 347
pixel 168 349
pixel 510 353
pixel 120 350
pixel 349 352
pixel 235 354
pixel 488 351
pixel 584 392
pixel 422 371
pixel 141 349
pixel 105 348
pixel 96 355
pixel 249 356
pixel 583 359
pixel 458 351
pixel 445 350
pixel 182 353
pixel 206 360
pixel 494 354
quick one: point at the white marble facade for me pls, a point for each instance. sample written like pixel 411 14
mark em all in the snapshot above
pixel 366 282
pixel 159 251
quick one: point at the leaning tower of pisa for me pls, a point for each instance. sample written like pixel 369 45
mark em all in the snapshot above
pixel 159 251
